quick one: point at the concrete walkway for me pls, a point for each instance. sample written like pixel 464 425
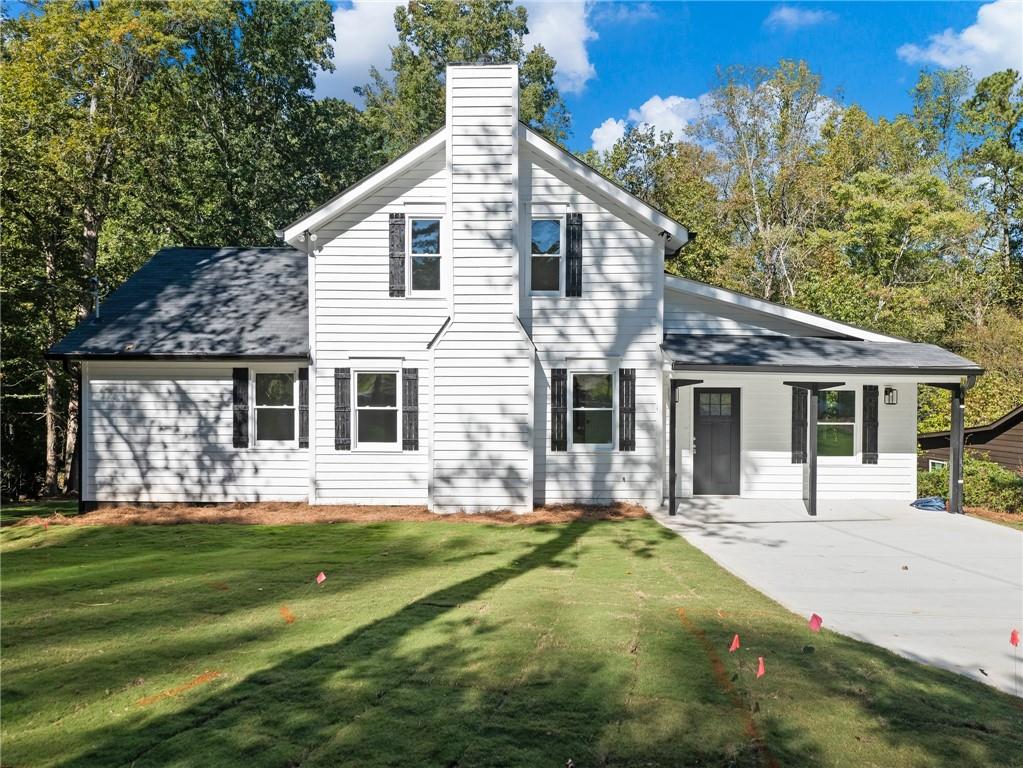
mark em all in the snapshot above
pixel 936 588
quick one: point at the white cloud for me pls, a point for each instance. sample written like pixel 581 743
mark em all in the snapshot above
pixel 623 13
pixel 365 31
pixel 992 43
pixel 607 133
pixel 671 114
pixel 563 29
pixel 790 17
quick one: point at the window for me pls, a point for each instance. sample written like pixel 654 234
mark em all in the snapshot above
pixel 715 403
pixel 425 250
pixel 376 405
pixel 933 464
pixel 275 407
pixel 545 258
pixel 836 423
pixel 593 409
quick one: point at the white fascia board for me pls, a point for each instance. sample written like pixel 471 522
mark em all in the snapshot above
pixel 684 285
pixel 292 234
pixel 677 234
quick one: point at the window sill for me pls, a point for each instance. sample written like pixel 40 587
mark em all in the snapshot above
pixel 546 294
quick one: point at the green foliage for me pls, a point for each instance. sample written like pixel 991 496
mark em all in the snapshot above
pixel 985 484
pixel 433 33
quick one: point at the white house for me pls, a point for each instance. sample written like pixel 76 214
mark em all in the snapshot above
pixel 483 323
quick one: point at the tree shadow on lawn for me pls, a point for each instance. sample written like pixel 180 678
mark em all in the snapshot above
pixel 491 670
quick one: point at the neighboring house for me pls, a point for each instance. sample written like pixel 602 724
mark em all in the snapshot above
pixel 1001 441
pixel 483 323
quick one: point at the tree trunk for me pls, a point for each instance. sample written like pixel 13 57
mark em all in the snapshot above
pixel 71 437
pixel 50 486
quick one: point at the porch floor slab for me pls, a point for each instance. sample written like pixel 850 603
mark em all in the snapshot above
pixel 937 588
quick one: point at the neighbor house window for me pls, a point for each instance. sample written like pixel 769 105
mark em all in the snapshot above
pixel 593 409
pixel 545 256
pixel 933 464
pixel 376 406
pixel 424 245
pixel 275 407
pixel 836 423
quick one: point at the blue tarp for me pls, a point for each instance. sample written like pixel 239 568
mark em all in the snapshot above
pixel 931 503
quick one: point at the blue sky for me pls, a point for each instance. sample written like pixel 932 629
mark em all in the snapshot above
pixel 651 61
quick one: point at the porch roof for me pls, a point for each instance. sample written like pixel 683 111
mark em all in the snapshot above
pixel 790 354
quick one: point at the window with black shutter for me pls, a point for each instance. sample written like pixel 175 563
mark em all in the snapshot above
pixel 396 264
pixel 342 409
pixel 240 407
pixel 559 409
pixel 410 409
pixel 574 255
pixel 799 406
pixel 303 407
pixel 870 424
pixel 627 409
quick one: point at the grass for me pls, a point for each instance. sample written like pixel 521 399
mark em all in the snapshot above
pixel 445 645
pixel 12 513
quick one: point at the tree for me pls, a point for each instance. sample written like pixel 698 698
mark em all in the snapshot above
pixel 764 126
pixel 993 121
pixel 432 33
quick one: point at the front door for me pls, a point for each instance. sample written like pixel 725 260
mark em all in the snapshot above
pixel 716 442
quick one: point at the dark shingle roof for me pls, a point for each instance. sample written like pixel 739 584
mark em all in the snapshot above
pixel 202 302
pixel 822 355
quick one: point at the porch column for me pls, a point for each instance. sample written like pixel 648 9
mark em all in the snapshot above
pixel 813 389
pixel 956 443
pixel 676 385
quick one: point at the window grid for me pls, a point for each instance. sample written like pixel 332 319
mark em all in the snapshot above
pixel 547 255
pixel 390 426
pixel 425 253
pixel 593 406
pixel 269 416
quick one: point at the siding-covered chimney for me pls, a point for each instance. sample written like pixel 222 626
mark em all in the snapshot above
pixel 483 365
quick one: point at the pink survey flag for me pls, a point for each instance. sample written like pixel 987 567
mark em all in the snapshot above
pixel 321 577
pixel 1014 637
pixel 735 645
pixel 760 667
pixel 815 623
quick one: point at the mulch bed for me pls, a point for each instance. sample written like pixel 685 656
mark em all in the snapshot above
pixel 296 513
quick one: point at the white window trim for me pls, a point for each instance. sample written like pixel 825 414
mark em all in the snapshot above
pixel 410 291
pixel 271 445
pixel 593 447
pixel 857 421
pixel 933 464
pixel 368 447
pixel 538 215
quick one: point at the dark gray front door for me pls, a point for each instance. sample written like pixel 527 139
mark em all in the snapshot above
pixel 716 442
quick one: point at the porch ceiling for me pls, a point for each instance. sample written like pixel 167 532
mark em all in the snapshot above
pixel 791 354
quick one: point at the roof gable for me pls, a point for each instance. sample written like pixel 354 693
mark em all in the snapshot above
pixel 822 326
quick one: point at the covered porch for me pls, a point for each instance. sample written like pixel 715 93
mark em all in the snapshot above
pixel 802 418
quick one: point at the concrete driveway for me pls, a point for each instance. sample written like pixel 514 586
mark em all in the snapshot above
pixel 936 588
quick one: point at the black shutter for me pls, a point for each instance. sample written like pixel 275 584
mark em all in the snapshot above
pixel 870 424
pixel 559 409
pixel 410 409
pixel 397 250
pixel 240 403
pixel 799 404
pixel 342 409
pixel 626 409
pixel 574 255
pixel 303 407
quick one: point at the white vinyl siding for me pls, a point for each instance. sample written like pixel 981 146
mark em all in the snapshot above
pixel 766 468
pixel 614 324
pixel 162 432
pixel 483 365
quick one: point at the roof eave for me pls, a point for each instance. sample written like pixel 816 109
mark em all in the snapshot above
pixel 184 357
pixel 848 370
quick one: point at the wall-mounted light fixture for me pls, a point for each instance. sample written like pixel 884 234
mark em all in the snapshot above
pixel 891 396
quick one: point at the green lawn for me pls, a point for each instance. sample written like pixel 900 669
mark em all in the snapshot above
pixel 445 644
pixel 12 513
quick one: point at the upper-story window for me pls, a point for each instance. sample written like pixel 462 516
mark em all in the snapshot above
pixel 546 249
pixel 424 247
